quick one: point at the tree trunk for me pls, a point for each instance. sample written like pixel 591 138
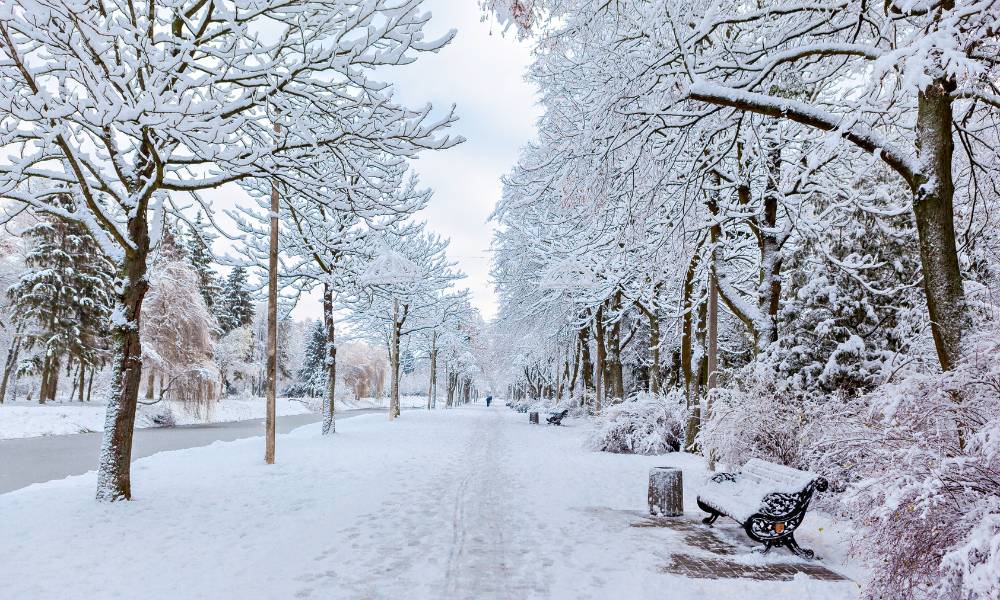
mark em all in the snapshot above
pixel 586 366
pixel 10 365
pixel 933 197
pixel 687 329
pixel 576 369
pixel 452 384
pixel 654 349
pixel 82 383
pixel 698 381
pixel 712 340
pixel 712 351
pixel 75 376
pixel 329 425
pixel 769 241
pixel 43 384
pixel 90 382
pixel 614 356
pixel 113 475
pixel 601 358
pixel 50 380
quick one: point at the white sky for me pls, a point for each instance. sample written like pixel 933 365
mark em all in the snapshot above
pixel 481 72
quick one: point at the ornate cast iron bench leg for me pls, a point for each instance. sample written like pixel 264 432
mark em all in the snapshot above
pixel 799 551
pixel 712 514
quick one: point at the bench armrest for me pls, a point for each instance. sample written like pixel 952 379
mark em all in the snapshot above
pixel 783 505
pixel 721 477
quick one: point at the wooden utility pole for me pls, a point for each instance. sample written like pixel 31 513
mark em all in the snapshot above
pixel 272 324
pixel 394 362
pixel 432 391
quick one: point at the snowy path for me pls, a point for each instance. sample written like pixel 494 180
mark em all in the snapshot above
pixel 38 459
pixel 462 504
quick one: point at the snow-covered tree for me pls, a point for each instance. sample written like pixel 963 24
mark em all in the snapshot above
pixel 178 330
pixel 232 354
pixel 235 307
pixel 401 290
pixel 62 303
pixel 125 104
pixel 198 244
pixel 310 380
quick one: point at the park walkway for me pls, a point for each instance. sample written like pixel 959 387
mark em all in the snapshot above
pixel 470 503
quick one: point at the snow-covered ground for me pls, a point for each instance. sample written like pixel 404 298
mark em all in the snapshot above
pixel 23 419
pixel 466 503
pixel 404 402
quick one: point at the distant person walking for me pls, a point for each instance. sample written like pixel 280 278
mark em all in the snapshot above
pixel 488 400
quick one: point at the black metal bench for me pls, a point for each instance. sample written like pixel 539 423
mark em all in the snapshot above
pixel 768 500
pixel 556 418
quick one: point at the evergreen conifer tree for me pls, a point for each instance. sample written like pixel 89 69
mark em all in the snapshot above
pixel 64 299
pixel 235 304
pixel 198 242
pixel 311 378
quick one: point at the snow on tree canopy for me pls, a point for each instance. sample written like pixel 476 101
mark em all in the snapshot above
pixel 390 267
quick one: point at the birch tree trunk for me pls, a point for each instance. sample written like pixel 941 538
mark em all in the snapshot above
pixel 330 394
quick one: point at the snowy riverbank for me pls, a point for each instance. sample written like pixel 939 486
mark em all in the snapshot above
pixel 30 419
pixel 465 503
pixel 22 419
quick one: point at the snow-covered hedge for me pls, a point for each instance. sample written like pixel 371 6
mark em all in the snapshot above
pixel 643 424
pixel 921 463
pixel 755 418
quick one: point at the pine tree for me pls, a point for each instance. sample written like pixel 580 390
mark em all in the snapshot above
pixel 311 378
pixel 64 299
pixel 198 242
pixel 407 362
pixel 235 304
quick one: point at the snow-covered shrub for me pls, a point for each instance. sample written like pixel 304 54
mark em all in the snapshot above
pixel 643 424
pixel 754 417
pixel 921 460
pixel 160 414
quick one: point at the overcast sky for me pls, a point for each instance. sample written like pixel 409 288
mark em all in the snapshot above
pixel 481 72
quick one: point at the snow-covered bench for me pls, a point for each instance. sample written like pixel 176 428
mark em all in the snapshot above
pixel 769 500
pixel 557 417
